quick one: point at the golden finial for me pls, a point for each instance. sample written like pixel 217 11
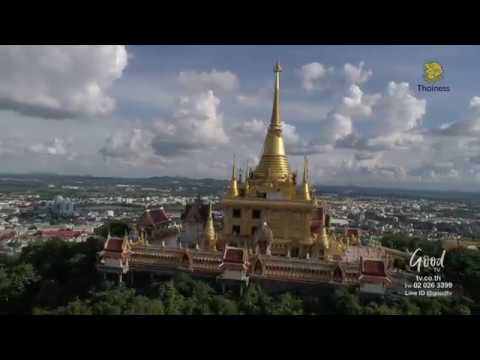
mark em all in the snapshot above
pixel 233 182
pixel 324 239
pixel 305 170
pixel 247 187
pixel 276 121
pixel 210 235
pixel 233 168
pixel 274 160
pixel 277 67
pixel 305 185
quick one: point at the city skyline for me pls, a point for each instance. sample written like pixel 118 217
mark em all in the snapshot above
pixel 141 111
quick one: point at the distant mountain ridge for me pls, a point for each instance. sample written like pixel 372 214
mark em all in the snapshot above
pixel 217 183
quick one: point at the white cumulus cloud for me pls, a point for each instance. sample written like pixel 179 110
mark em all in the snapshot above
pixel 59 81
pixel 312 75
pixel 357 74
pixel 131 146
pixel 56 146
pixel 213 80
pixel 196 124
pixel 399 110
pixel 317 76
pixel 469 127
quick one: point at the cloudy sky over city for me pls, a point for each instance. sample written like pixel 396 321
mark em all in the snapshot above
pixel 139 111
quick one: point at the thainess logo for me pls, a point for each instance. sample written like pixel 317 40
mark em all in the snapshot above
pixel 432 72
pixel 427 261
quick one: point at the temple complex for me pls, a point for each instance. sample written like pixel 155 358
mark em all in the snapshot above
pixel 272 197
pixel 274 229
pixel 194 218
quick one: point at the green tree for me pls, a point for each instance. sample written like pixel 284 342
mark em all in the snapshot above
pixel 346 303
pixel 15 281
pixel 462 266
pixel 142 305
pixel 65 270
pixel 220 305
pixel 461 309
pixel 113 302
pixel 76 307
pixel 255 301
pixel 202 296
pixel 287 304
pixel 409 308
pixel 430 306
pixel 173 301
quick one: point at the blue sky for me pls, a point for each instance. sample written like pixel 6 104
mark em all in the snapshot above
pixel 184 110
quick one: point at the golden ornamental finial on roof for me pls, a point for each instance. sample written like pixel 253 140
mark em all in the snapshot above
pixel 233 168
pixel 233 191
pixel 306 178
pixel 306 181
pixel 277 67
pixel 274 162
pixel 210 235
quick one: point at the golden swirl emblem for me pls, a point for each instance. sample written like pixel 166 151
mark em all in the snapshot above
pixel 432 71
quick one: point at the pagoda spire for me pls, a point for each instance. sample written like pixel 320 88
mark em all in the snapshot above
pixel 276 121
pixel 247 185
pixel 324 240
pixel 210 235
pixel 274 162
pixel 306 181
pixel 233 181
pixel 305 170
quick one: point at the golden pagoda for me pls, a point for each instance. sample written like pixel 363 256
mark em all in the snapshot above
pixel 233 190
pixel 270 195
pixel 210 237
pixel 306 180
pixel 274 162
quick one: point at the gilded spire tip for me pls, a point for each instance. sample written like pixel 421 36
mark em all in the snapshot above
pixel 274 161
pixel 233 168
pixel 277 67
pixel 305 170
pixel 276 121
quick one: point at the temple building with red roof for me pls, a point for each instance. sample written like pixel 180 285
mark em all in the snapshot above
pixel 114 258
pixel 154 223
pixel 194 220
pixel 373 276
pixel 271 219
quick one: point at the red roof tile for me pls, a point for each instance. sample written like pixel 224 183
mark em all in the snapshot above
pixel 233 256
pixel 154 217
pixel 7 235
pixel 112 254
pixel 316 228
pixel 113 245
pixel 319 214
pixel 61 233
pixel 375 279
pixel 353 232
pixel 234 267
pixel 373 267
